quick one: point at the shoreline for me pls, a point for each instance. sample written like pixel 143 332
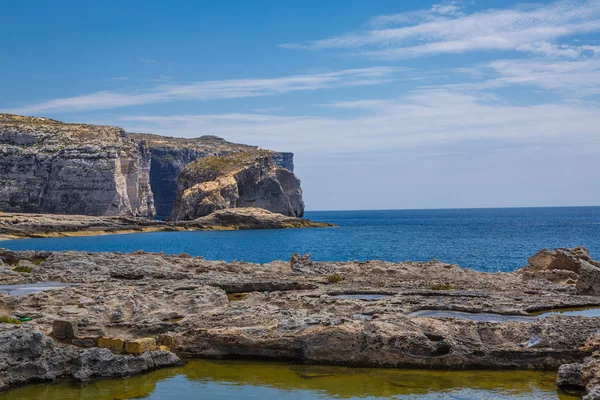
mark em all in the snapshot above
pixel 359 314
pixel 23 226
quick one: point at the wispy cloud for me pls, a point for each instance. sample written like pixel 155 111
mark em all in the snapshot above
pixel 423 118
pixel 266 110
pixel 148 60
pixel 573 78
pixel 438 147
pixel 118 78
pixel 437 12
pixel 446 28
pixel 212 90
pixel 162 78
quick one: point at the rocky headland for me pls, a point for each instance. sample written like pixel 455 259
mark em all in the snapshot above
pixel 170 155
pixel 85 179
pixel 418 314
pixel 242 179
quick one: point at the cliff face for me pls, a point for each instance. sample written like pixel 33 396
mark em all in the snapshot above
pixel 47 166
pixel 243 179
pixel 170 155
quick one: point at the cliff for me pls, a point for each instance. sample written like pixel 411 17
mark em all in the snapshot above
pixel 48 166
pixel 170 155
pixel 51 167
pixel 243 179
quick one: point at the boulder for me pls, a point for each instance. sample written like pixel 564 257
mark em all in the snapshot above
pixel 569 377
pixel 584 376
pixel 568 266
pixel 102 363
pixel 64 330
pixel 114 344
pixel 303 264
pixel 139 346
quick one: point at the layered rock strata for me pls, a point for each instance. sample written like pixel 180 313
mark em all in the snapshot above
pixel 170 155
pixel 48 166
pixel 244 179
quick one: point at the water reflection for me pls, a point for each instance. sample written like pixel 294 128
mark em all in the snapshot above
pixel 257 380
pixel 29 288
pixel 361 296
pixel 590 312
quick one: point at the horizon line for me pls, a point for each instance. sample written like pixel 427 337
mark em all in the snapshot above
pixel 453 208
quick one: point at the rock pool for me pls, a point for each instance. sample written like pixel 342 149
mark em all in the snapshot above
pixel 29 288
pixel 261 380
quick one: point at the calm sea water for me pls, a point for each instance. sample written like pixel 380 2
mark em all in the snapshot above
pixel 483 239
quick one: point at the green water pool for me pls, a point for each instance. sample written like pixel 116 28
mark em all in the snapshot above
pixel 260 380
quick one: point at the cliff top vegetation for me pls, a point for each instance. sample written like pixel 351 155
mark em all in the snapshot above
pixel 230 163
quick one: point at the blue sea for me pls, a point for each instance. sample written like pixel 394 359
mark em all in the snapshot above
pixel 492 240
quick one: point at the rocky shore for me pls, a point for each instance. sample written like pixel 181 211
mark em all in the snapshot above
pixel 417 314
pixel 15 225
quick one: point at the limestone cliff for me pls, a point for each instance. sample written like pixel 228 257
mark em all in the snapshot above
pixel 242 179
pixel 170 155
pixel 48 166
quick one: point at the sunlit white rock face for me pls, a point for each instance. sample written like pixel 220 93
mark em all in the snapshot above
pixel 47 166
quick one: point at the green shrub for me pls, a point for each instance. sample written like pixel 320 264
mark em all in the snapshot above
pixel 335 278
pixel 443 286
pixel 9 320
pixel 23 269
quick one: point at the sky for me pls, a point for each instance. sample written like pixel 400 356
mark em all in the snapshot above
pixel 386 104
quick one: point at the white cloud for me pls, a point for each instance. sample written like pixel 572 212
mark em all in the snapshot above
pixel 445 29
pixel 573 78
pixel 211 90
pixel 448 8
pixel 431 148
pixel 422 119
pixel 437 12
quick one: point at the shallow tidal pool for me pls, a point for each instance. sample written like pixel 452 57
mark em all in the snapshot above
pixel 261 380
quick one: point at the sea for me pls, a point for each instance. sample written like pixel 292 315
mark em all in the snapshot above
pixel 490 239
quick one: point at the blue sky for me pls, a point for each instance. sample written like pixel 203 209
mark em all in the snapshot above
pixel 386 104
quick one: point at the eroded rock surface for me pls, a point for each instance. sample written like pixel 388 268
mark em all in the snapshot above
pixel 48 166
pixel 28 355
pixel 289 315
pixel 237 180
pixel 570 266
pixel 585 375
